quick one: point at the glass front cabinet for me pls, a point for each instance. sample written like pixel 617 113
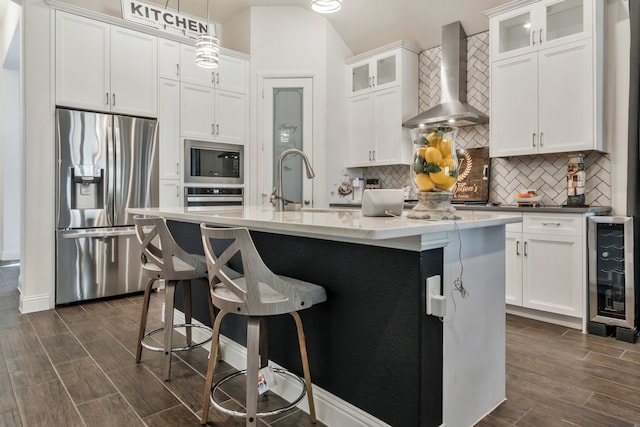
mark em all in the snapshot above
pixel 376 73
pixel 540 25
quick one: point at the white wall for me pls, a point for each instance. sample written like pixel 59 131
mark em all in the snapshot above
pixel 9 132
pixel 616 113
pixel 38 255
pixel 292 41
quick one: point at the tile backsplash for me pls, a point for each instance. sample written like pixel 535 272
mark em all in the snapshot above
pixel 545 173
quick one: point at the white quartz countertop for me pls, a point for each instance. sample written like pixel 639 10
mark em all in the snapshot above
pixel 338 224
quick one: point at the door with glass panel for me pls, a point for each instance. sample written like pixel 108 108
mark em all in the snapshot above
pixel 287 123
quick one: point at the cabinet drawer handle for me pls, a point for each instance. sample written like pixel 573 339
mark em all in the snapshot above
pixel 533 140
pixel 533 37
pixel 525 249
pixel 554 224
pixel 518 247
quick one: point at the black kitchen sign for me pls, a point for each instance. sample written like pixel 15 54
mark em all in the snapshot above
pixel 163 19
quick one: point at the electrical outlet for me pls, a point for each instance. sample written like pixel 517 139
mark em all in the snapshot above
pixel 433 288
pixel 436 303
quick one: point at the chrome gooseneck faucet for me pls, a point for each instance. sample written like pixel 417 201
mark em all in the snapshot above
pixel 277 198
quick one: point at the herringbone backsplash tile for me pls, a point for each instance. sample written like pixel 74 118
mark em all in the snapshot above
pixel 545 173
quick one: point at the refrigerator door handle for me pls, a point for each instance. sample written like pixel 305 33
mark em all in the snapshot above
pixel 110 175
pixel 104 233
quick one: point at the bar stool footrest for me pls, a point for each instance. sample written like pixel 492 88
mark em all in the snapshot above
pixel 277 411
pixel 181 325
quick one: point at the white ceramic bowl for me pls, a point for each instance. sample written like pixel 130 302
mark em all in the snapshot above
pixel 528 199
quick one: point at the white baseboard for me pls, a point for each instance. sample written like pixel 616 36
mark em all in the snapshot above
pixel 9 255
pixel 330 409
pixel 33 303
pixel 556 319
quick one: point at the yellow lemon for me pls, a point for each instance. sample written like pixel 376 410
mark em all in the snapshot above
pixel 447 183
pixel 432 155
pixel 447 162
pixel 445 146
pixel 424 183
pixel 433 139
pixel 420 151
pixel 439 177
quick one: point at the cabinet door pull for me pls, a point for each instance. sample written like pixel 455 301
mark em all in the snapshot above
pixel 217 78
pixel 217 129
pixel 540 35
pixel 369 155
pixel 374 155
pixel 533 37
pixel 113 99
pixel 518 247
pixel 177 70
pixel 373 79
pixel 213 129
pixel 213 77
pixel 541 138
pixel 533 140
pixel 369 81
pixel 177 191
pixel 177 168
pixel 525 249
pixel 106 100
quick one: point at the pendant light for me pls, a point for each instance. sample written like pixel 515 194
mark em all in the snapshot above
pixel 326 6
pixel 207 47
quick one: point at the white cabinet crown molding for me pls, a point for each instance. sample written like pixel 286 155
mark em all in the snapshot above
pixel 507 7
pixel 383 49
pixel 87 13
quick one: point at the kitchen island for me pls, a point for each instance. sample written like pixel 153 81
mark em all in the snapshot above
pixel 376 357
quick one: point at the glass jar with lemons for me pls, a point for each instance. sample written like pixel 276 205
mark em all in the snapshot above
pixel 435 165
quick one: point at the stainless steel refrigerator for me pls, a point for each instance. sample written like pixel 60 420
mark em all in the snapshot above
pixel 105 164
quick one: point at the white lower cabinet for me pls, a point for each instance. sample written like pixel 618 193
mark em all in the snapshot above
pixel 170 194
pixel 546 263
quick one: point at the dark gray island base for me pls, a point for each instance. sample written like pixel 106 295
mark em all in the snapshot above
pixel 371 343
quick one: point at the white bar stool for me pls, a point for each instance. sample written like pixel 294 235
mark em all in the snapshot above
pixel 258 294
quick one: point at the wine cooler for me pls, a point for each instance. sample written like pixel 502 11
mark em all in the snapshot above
pixel 612 293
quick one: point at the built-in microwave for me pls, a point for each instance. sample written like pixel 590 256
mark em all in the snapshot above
pixel 213 163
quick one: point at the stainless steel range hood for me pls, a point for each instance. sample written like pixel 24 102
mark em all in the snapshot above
pixel 453 108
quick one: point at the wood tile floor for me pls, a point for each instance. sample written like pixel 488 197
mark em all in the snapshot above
pixel 74 366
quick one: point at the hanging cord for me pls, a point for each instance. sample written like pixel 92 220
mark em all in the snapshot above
pixel 458 284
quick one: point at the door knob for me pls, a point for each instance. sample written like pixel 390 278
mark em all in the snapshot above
pixel 307 202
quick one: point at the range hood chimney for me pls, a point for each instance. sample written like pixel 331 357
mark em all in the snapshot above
pixel 453 108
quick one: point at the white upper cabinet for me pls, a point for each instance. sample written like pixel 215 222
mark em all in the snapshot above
pixel 168 59
pixel 547 78
pixel 231 74
pixel 540 25
pixel 230 113
pixel 192 73
pixel 383 87
pixel 197 112
pixel 83 49
pixel 134 72
pixel 103 67
pixel 379 72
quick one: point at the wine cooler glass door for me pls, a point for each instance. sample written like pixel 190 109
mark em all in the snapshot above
pixel 611 283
